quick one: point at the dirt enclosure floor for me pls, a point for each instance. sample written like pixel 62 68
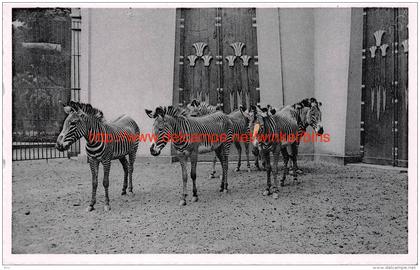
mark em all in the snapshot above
pixel 335 209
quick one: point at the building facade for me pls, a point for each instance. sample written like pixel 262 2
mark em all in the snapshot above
pixel 137 59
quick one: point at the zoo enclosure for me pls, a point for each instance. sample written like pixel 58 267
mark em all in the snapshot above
pixel 45 69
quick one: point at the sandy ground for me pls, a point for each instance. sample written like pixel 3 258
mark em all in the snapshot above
pixel 336 209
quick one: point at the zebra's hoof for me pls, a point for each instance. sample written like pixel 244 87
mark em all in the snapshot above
pixel 123 193
pixel 182 203
pixel 212 176
pixel 90 208
pixel 194 199
pixel 249 169
pixel 291 172
pixel 282 183
pixel 299 171
pixel 131 194
pixel 275 195
pixel 266 193
pixel 237 169
pixel 107 208
pixel 225 191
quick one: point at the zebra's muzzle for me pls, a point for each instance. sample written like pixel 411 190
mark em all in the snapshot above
pixel 320 130
pixel 153 152
pixel 61 147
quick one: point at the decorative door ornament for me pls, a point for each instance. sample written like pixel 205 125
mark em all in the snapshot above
pixel 247 100
pixel 245 60
pixel 231 60
pixel 237 47
pixel 372 51
pixel 378 37
pixel 372 99
pixel 378 102
pixel 384 98
pixel 239 98
pixel 206 98
pixel 199 48
pixel 405 45
pixel 383 49
pixel 232 99
pixel 192 59
pixel 207 59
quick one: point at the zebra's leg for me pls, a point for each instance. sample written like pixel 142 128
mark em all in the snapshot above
pixel 239 148
pixel 194 158
pixel 183 162
pixel 94 168
pixel 223 160
pixel 285 155
pixel 297 169
pixel 213 173
pixel 276 156
pixel 131 159
pixel 294 162
pixel 266 158
pixel 124 164
pixel 256 154
pixel 248 166
pixel 107 168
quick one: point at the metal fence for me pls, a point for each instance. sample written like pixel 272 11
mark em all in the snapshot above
pixel 45 71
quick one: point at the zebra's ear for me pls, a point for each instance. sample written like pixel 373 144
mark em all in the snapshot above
pixel 273 111
pixel 68 109
pixel 258 109
pixel 298 106
pixel 149 113
pixel 243 111
pixel 319 104
pixel 306 102
pixel 195 103
pixel 160 112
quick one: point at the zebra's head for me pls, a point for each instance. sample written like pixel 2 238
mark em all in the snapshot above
pixel 255 116
pixel 72 127
pixel 313 116
pixel 196 108
pixel 161 129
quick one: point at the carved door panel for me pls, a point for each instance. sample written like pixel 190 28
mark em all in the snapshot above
pixel 401 152
pixel 216 57
pixel 384 120
pixel 240 55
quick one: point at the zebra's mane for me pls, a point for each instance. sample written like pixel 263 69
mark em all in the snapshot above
pixel 202 108
pixel 88 109
pixel 175 111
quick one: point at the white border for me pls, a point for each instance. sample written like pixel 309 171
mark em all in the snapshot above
pixel 210 259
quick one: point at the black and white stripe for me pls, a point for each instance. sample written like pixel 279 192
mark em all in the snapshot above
pixel 171 120
pixel 105 141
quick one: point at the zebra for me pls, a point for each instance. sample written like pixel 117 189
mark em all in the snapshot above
pixel 306 113
pixel 105 141
pixel 240 127
pixel 169 121
pixel 268 131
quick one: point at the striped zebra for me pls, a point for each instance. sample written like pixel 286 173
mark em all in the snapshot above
pixel 306 113
pixel 170 121
pixel 240 126
pixel 105 141
pixel 268 133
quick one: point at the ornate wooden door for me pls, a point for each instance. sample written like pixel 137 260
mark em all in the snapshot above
pixel 384 88
pixel 216 57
